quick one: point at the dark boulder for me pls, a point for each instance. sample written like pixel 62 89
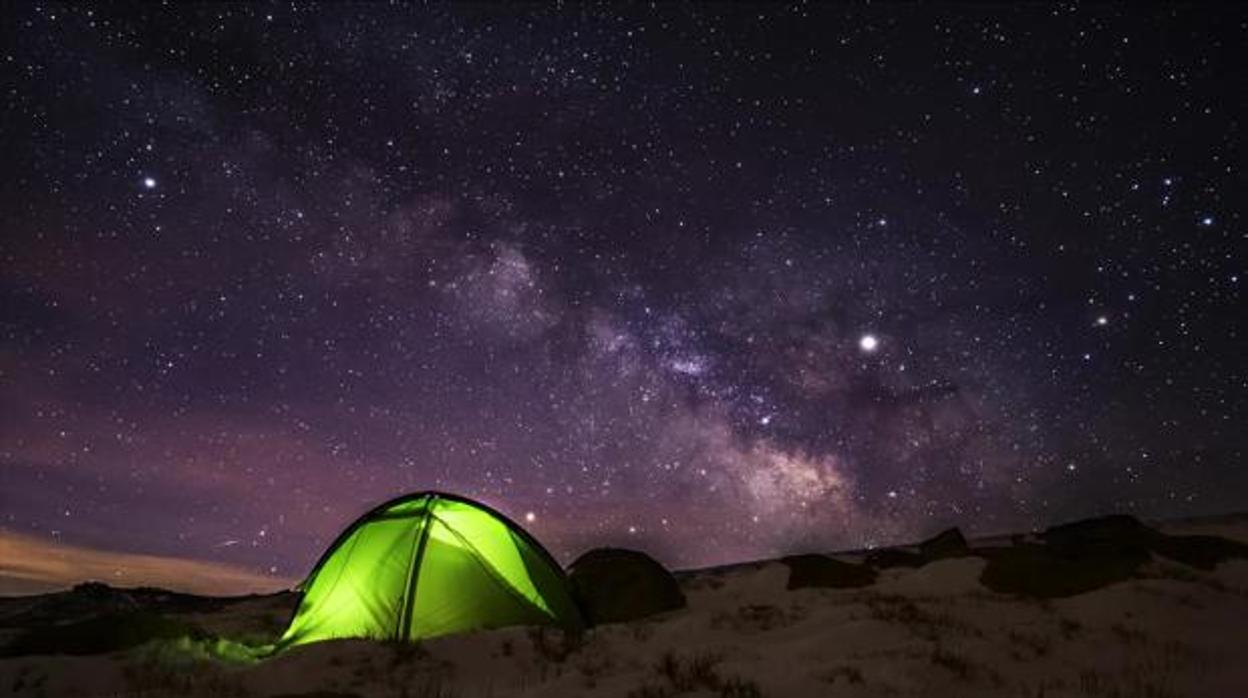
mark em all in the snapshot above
pixel 613 585
pixel 1045 571
pixel 1093 553
pixel 1075 558
pixel 1202 552
pixel 1118 542
pixel 887 558
pixel 1120 534
pixel 1118 530
pixel 821 571
pixel 947 543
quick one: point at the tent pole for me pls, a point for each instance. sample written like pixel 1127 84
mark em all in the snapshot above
pixel 413 575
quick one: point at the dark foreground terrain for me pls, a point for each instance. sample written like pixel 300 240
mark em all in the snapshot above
pixel 1106 607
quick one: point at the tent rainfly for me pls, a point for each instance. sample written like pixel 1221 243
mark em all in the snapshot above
pixel 430 564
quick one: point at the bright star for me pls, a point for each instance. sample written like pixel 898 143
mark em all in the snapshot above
pixel 149 182
pixel 868 343
pixel 530 517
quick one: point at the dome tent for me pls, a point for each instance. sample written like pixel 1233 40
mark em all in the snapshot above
pixel 430 564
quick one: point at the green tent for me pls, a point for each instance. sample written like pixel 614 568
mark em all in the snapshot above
pixel 430 564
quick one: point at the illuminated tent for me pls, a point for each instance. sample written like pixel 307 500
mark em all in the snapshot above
pixel 430 564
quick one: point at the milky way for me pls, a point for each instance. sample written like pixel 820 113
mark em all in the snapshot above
pixel 715 282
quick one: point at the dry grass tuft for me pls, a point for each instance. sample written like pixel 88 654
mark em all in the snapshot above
pixel 892 608
pixel 154 675
pixel 851 674
pixel 1035 645
pixel 963 667
pixel 554 646
pixel 752 618
pixel 957 664
pixel 679 675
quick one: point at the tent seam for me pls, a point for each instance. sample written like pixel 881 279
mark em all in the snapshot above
pixel 497 576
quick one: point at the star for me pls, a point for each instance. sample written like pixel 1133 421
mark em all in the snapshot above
pixel 149 182
pixel 868 343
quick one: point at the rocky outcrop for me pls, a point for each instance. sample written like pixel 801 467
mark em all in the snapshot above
pixel 1093 553
pixel 887 558
pixel 946 544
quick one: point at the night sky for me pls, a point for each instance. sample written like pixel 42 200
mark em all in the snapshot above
pixel 716 282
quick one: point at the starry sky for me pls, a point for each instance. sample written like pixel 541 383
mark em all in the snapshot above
pixel 716 282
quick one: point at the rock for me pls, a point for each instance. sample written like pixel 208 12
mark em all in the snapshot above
pixel 1201 552
pixel 1117 530
pixel 1121 534
pixel 821 571
pixel 947 543
pixel 1044 571
pixel 886 558
pixel 1093 553
pixel 613 585
pixel 1075 558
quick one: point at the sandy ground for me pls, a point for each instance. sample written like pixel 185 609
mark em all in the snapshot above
pixel 931 631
